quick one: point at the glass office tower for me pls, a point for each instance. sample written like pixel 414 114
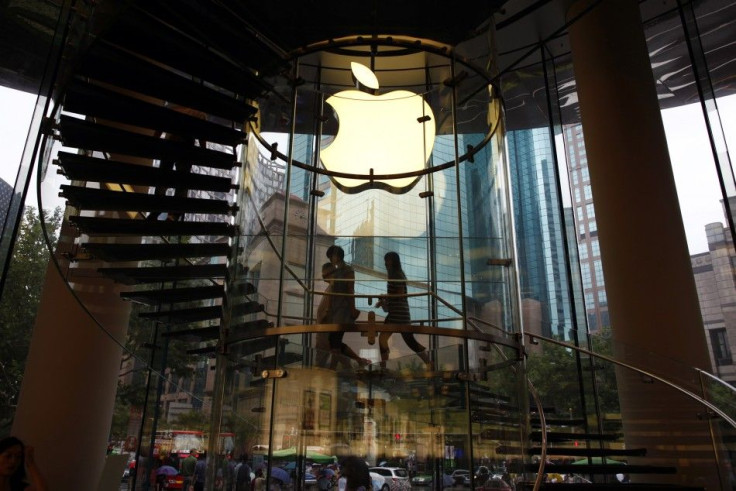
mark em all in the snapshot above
pixel 541 248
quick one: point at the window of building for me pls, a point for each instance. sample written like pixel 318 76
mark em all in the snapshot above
pixel 590 210
pixel 583 250
pixel 602 297
pixel 595 248
pixel 587 279
pixel 719 343
pixel 589 304
pixel 577 195
pixel 579 212
pixel 587 192
pixel 598 267
pixel 584 170
pixel 592 321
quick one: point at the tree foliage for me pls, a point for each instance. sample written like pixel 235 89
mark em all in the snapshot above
pixel 19 303
pixel 554 372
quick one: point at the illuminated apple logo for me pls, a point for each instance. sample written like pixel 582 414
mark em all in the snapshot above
pixel 391 133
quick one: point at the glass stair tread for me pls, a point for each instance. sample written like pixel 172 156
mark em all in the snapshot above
pixel 84 168
pixel 584 469
pixel 159 41
pixel 243 287
pixel 219 27
pixel 184 316
pixel 162 274
pixel 528 486
pixel 86 135
pixel 246 308
pixel 560 436
pixel 109 200
pixel 576 451
pixel 206 350
pixel 257 345
pixel 175 295
pixel 243 331
pixel 97 102
pixel 108 64
pixel 121 227
pixel 141 252
pixel 558 422
pixel 194 335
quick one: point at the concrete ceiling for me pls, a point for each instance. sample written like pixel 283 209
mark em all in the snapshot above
pixel 523 26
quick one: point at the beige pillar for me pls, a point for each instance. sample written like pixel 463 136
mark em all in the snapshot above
pixel 68 392
pixel 651 291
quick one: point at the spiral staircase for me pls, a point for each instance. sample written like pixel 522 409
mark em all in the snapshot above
pixel 154 87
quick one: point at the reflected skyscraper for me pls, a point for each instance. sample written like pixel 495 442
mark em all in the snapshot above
pixel 538 218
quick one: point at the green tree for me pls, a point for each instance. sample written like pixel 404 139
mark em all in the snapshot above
pixel 19 303
pixel 607 387
pixel 553 372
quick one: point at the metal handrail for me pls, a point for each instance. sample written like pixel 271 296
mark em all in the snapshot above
pixel 716 379
pixel 646 373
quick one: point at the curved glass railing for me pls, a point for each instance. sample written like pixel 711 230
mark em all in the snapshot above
pixel 610 420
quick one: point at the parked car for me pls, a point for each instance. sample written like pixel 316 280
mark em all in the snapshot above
pixel 422 480
pixel 379 482
pixel 458 476
pixel 397 478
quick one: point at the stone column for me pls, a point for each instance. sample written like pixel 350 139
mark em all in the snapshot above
pixel 651 291
pixel 68 392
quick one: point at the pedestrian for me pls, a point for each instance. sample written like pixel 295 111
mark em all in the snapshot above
pixel 200 471
pixel 322 316
pixel 342 306
pixel 396 304
pixel 186 468
pixel 356 474
pixel 242 474
pixel 18 470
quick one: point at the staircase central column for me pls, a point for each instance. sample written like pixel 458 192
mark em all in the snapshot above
pixel 651 291
pixel 68 392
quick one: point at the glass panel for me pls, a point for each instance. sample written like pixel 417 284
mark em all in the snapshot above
pixel 399 417
pixel 677 449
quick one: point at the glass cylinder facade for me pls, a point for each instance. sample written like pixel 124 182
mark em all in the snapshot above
pixel 432 392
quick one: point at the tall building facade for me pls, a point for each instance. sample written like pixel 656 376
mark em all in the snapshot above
pixel 540 232
pixel 589 251
pixel 715 277
pixel 6 193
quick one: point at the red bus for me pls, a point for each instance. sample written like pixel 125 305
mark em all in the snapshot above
pixel 180 442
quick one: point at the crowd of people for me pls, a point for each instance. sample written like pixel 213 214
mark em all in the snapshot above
pixel 240 475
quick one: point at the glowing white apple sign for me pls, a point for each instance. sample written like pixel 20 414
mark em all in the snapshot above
pixel 391 133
